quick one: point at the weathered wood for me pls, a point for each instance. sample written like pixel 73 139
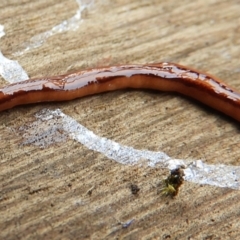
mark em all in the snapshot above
pixel 44 192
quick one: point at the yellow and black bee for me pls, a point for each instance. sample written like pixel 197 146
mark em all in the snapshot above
pixel 173 182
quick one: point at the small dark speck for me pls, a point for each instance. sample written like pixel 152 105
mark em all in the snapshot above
pixel 166 236
pixel 134 189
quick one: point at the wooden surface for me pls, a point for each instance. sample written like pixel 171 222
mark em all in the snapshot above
pixel 44 191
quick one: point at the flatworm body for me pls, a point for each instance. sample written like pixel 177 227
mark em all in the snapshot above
pixel 160 76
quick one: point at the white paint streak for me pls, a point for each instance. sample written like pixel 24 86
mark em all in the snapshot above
pixel 217 175
pixel 71 24
pixel 10 70
pixel 2 33
pixel 196 171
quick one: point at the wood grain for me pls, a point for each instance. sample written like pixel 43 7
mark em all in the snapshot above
pixel 44 192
